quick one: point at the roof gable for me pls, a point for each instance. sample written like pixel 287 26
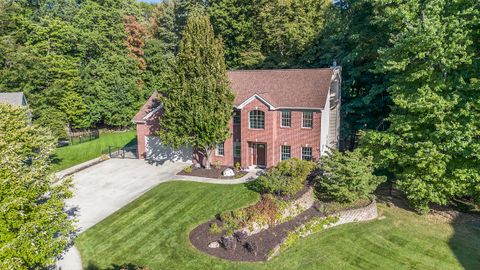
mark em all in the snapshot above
pixel 14 98
pixel 282 88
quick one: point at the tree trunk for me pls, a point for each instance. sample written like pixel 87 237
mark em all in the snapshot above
pixel 208 157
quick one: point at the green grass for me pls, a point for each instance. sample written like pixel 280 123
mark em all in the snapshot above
pixel 153 231
pixel 69 156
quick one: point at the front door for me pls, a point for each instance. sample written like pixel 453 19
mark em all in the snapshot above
pixel 259 154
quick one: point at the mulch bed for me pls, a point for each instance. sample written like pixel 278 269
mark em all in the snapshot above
pixel 215 173
pixel 265 240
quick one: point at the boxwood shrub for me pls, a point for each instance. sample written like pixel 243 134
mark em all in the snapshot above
pixel 287 178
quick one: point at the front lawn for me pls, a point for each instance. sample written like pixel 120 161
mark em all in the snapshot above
pixel 72 155
pixel 153 231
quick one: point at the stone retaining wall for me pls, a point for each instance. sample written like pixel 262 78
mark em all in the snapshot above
pixel 293 209
pixel 366 213
pixel 299 205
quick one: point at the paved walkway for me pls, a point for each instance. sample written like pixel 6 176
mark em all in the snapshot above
pixel 104 188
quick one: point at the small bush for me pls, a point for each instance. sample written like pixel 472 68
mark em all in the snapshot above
pixel 238 167
pixel 188 169
pixel 347 177
pixel 287 178
pixel 217 164
pixel 214 229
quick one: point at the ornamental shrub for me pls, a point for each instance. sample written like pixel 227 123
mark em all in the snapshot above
pixel 347 177
pixel 287 178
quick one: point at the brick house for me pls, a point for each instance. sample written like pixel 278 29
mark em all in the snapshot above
pixel 277 114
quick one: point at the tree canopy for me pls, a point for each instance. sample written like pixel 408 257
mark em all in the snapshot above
pixel 199 103
pixel 34 229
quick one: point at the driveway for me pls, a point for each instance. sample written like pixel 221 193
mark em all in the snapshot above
pixel 104 188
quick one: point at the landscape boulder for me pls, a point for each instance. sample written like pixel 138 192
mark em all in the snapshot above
pixel 214 244
pixel 228 172
pixel 251 248
pixel 228 243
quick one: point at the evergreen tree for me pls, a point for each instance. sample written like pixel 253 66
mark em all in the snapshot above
pixel 198 106
pixel 347 177
pixel 432 143
pixel 34 229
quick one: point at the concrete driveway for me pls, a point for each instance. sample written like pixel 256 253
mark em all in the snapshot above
pixel 102 189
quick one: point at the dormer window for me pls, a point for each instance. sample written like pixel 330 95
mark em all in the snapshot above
pixel 257 119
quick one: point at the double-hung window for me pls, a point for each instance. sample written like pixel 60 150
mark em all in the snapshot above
pixel 257 119
pixel 306 153
pixel 237 150
pixel 220 151
pixel 307 119
pixel 286 152
pixel 286 119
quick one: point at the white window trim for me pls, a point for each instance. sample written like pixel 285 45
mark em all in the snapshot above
pixel 311 119
pixel 311 152
pixel 281 118
pixel 217 152
pixel 249 123
pixel 281 152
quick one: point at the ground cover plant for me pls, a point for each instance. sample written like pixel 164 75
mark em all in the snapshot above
pixel 158 223
pixel 68 156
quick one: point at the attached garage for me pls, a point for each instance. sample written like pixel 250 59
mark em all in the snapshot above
pixel 150 147
pixel 156 151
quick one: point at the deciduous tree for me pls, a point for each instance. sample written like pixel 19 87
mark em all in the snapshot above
pixel 34 228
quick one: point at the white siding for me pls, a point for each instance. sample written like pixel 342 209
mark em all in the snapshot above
pixel 325 127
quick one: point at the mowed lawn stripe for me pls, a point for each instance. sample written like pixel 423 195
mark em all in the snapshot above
pixel 153 231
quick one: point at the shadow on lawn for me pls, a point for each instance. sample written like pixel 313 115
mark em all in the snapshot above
pixel 465 241
pixel 126 266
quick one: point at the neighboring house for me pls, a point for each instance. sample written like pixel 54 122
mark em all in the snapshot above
pixel 16 98
pixel 278 114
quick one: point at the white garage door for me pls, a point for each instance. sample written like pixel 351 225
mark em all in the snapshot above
pixel 156 151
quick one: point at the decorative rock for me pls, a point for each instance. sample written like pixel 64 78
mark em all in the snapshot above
pixel 228 172
pixel 240 235
pixel 228 243
pixel 390 204
pixel 197 165
pixel 214 244
pixel 251 248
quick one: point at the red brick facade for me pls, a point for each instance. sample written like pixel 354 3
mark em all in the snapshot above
pixel 273 136
pixel 271 92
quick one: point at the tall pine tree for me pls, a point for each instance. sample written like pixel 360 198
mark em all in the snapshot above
pixel 198 106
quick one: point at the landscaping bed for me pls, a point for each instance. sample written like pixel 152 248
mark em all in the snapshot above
pixel 256 247
pixel 214 172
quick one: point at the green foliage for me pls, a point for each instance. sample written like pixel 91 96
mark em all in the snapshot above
pixel 188 169
pixel 198 106
pixel 347 177
pixel 287 178
pixel 432 144
pixel 214 229
pixel 264 212
pixel 34 228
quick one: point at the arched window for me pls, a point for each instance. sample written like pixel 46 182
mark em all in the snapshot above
pixel 257 119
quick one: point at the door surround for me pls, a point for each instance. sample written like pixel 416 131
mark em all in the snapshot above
pixel 259 154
